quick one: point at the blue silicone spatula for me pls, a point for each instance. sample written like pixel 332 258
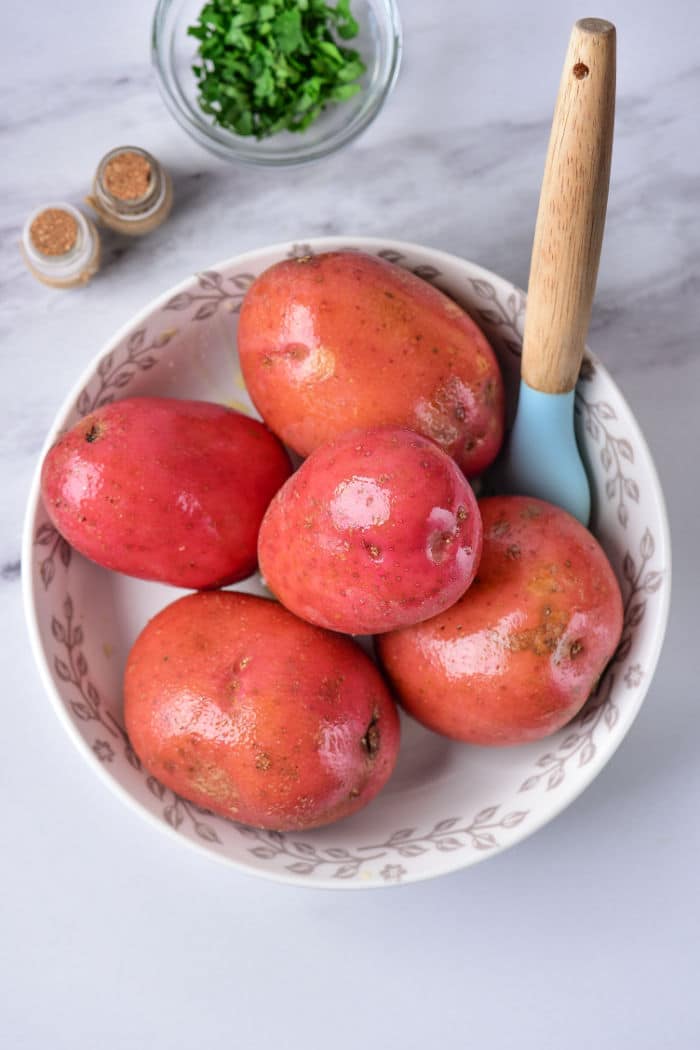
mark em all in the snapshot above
pixel 542 458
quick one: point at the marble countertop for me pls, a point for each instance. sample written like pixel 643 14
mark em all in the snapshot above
pixel 588 933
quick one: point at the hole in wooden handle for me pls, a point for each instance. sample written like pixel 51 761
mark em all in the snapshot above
pixel 580 70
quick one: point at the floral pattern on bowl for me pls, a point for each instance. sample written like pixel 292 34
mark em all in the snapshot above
pixel 447 805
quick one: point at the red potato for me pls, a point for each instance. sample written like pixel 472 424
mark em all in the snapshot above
pixel 165 490
pixel 516 658
pixel 376 529
pixel 235 704
pixel 342 340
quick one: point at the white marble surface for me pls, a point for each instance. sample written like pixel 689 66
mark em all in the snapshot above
pixel 587 934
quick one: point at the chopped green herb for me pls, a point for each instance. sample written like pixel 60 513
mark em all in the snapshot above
pixel 266 67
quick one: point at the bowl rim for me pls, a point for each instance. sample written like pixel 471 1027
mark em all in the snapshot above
pixel 563 800
pixel 203 133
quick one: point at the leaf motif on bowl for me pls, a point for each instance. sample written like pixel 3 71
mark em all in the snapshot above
pixel 116 370
pixel 213 294
pixel 598 418
pixel 505 320
pixel 47 535
pixel 447 835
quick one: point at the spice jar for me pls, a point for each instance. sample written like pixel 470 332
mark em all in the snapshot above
pixel 131 192
pixel 61 247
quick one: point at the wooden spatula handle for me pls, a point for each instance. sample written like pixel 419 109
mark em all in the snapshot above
pixel 571 216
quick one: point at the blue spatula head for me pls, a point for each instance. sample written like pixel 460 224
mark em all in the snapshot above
pixel 543 459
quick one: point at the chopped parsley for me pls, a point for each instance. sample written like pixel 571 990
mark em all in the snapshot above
pixel 274 66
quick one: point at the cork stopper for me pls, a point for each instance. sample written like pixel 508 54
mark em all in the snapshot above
pixel 60 246
pixel 54 232
pixel 127 176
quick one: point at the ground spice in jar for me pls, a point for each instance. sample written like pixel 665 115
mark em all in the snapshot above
pixel 127 176
pixel 60 246
pixel 54 232
pixel 131 192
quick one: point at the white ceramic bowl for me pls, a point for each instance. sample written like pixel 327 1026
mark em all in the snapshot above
pixel 447 805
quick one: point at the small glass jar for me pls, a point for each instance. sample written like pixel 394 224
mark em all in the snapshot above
pixel 60 246
pixel 131 192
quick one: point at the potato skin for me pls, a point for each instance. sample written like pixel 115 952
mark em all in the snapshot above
pixel 164 489
pixel 376 530
pixel 342 340
pixel 235 704
pixel 516 658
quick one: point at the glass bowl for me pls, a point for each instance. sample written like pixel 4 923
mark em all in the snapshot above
pixel 174 52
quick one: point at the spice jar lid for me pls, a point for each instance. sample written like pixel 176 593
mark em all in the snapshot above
pixel 130 183
pixel 127 174
pixel 60 244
